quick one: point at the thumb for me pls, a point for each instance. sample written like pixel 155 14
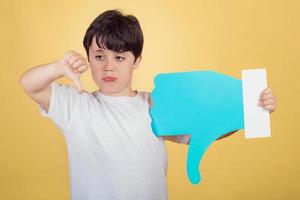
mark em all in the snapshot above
pixel 75 77
pixel 78 85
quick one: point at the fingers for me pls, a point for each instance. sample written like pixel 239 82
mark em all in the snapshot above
pixel 69 54
pixel 267 97
pixel 270 108
pixel 267 100
pixel 75 60
pixel 81 69
pixel 76 65
pixel 267 91
pixel 80 66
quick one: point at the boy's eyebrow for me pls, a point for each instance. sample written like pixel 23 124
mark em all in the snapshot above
pixel 98 50
pixel 101 50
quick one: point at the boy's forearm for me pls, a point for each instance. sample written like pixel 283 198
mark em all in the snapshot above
pixel 227 134
pixel 39 77
pixel 181 139
pixel 178 139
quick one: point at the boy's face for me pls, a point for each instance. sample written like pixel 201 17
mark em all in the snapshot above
pixel 112 71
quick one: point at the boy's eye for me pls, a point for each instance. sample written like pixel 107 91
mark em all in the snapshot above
pixel 99 57
pixel 120 58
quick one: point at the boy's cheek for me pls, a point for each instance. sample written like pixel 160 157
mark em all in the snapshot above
pixel 97 71
pixel 97 76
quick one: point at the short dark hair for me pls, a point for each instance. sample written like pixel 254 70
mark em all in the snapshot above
pixel 116 32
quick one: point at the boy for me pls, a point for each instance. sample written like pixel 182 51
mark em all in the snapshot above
pixel 112 151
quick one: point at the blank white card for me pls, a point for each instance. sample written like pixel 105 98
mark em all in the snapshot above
pixel 256 118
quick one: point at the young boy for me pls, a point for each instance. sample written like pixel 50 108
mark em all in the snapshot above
pixel 112 151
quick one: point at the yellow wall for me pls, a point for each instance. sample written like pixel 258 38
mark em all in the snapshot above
pixel 226 36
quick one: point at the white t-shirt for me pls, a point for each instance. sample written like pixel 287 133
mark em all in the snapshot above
pixel 113 153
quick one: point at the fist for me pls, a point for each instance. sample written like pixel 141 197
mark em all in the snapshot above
pixel 267 100
pixel 74 64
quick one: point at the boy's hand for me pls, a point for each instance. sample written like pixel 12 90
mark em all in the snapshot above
pixel 267 100
pixel 74 64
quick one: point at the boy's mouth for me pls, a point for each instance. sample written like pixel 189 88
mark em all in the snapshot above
pixel 109 79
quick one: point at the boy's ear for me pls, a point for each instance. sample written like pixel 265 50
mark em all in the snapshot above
pixel 137 62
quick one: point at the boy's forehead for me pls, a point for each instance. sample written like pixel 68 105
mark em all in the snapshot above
pixel 94 48
pixel 100 49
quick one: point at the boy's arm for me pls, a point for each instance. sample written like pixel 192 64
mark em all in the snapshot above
pixel 226 135
pixel 185 139
pixel 267 100
pixel 36 81
pixel 181 139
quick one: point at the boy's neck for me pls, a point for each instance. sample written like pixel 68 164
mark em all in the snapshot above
pixel 129 93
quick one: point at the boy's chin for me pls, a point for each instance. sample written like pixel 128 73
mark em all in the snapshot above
pixel 109 91
pixel 114 92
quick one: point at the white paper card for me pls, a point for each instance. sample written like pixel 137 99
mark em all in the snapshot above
pixel 256 118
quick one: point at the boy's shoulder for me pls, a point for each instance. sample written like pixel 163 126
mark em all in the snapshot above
pixel 146 97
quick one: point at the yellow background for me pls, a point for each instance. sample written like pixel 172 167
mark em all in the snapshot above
pixel 226 36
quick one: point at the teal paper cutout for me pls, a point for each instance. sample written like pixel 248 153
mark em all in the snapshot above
pixel 205 104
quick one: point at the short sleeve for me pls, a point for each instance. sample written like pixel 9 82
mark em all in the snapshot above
pixel 147 98
pixel 63 103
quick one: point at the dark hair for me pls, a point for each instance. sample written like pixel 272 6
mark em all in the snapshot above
pixel 115 31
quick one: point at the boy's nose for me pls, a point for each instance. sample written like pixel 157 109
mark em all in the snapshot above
pixel 108 69
pixel 109 66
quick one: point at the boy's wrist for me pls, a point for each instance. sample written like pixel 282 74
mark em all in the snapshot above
pixel 60 67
